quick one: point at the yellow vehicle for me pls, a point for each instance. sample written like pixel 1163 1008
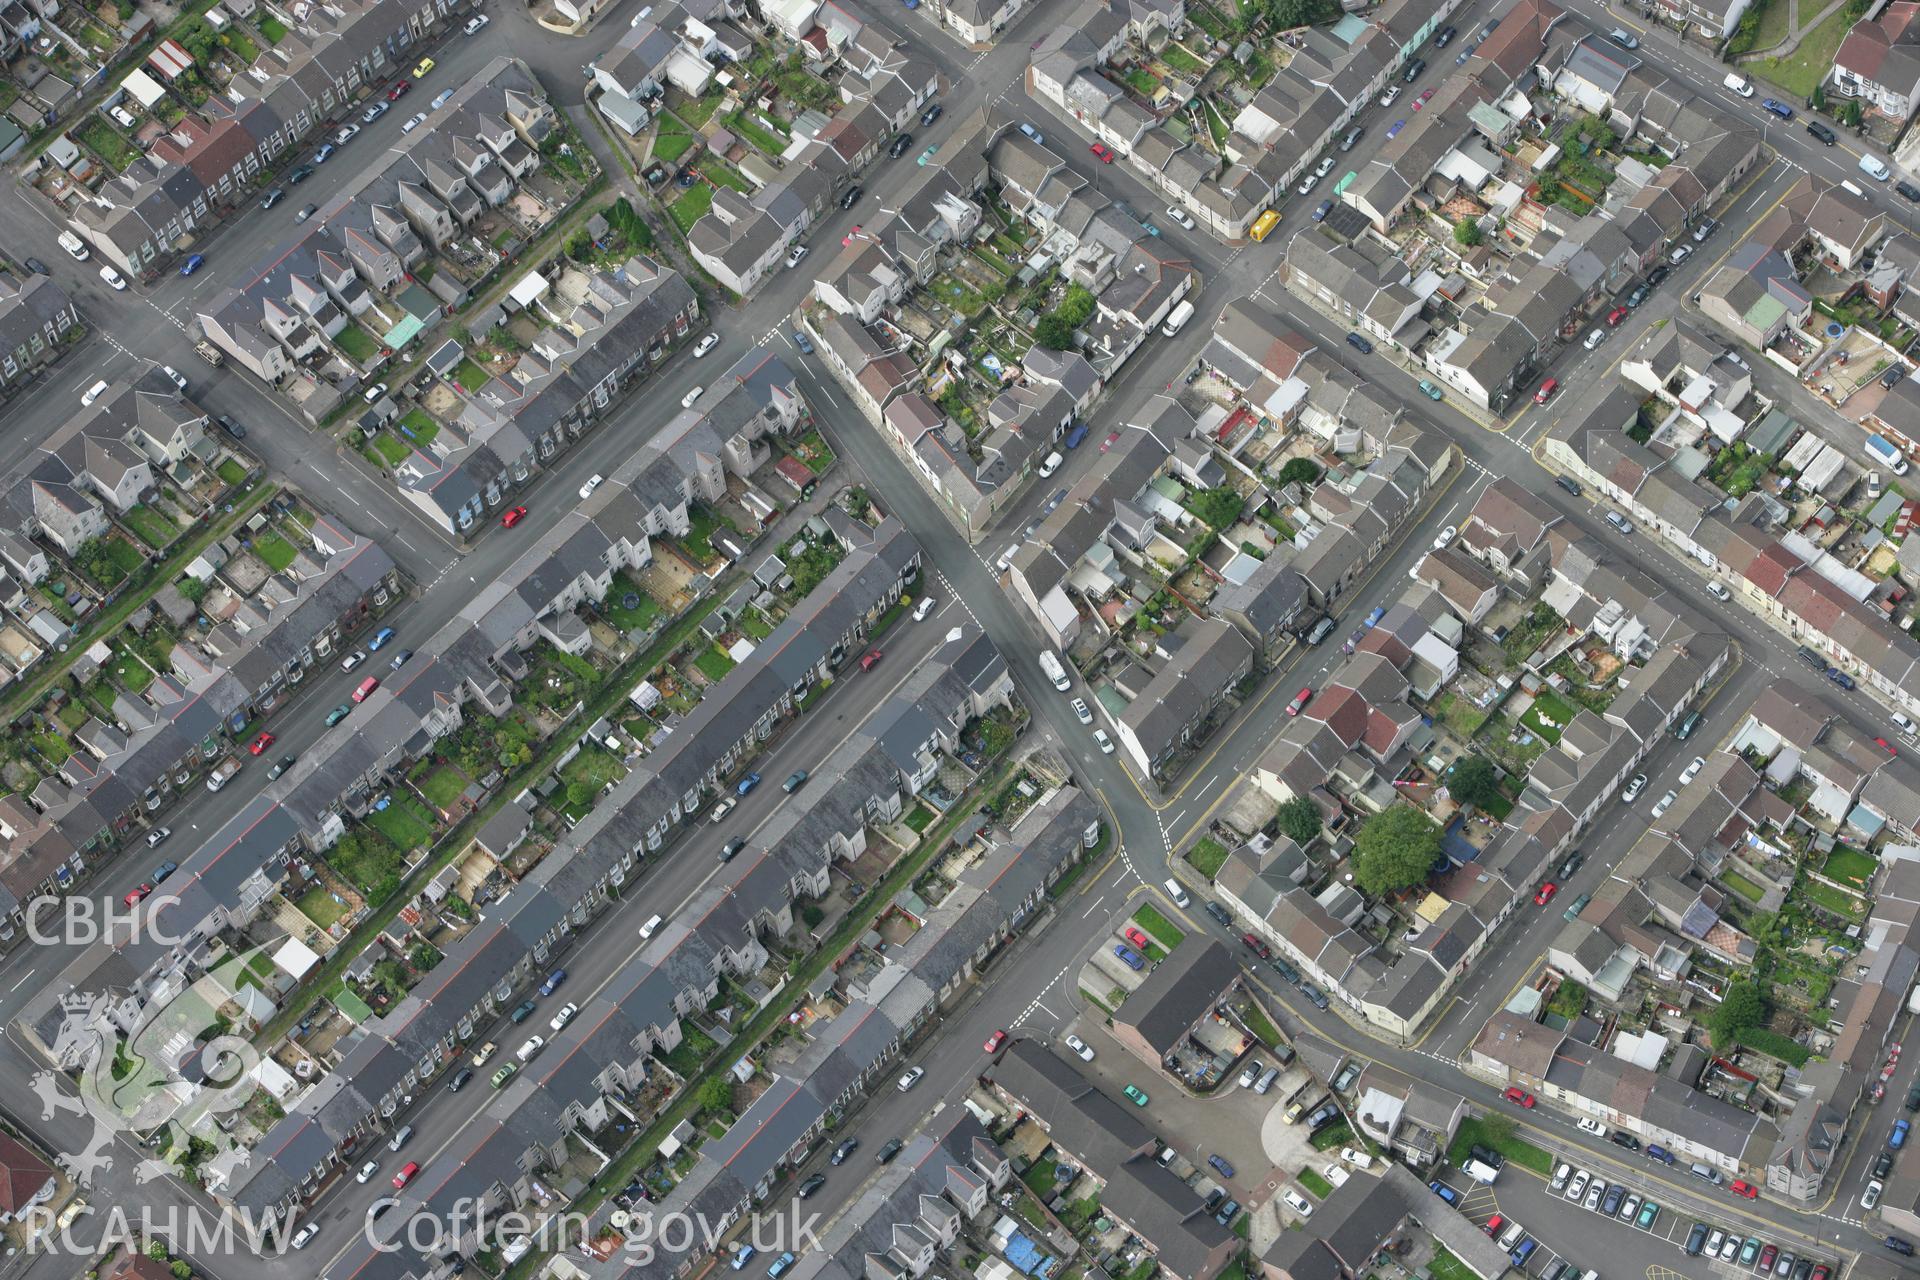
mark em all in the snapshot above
pixel 1265 224
pixel 425 65
pixel 71 1212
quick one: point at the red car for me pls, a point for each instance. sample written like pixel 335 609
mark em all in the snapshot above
pixel 1299 701
pixel 872 658
pixel 137 895
pixel 1494 1224
pixel 1136 937
pixel 1106 156
pixel 1112 439
pixel 1515 1093
pixel 1767 1255
pixel 1886 746
pixel 261 743
pixel 1423 100
pixel 1256 946
pixel 394 94
pixel 1547 388
pixel 1746 1189
pixel 513 517
pixel 1546 893
pixel 407 1170
pixel 1615 316
pixel 995 1040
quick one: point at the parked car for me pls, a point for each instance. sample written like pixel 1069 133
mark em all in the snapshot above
pixel 1514 1093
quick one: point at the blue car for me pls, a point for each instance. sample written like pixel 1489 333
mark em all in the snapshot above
pixel 192 264
pixel 1321 210
pixel 747 784
pixel 1780 109
pixel 1393 130
pixel 1523 1251
pixel 1444 1191
pixel 1898 1138
pixel 1129 956
pixel 552 984
pixel 1840 677
pixel 385 634
pixel 1221 1166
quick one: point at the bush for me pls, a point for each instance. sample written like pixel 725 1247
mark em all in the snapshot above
pixel 1395 850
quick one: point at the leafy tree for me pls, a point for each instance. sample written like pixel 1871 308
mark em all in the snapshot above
pixel 1744 1006
pixel 1218 507
pixel 579 795
pixel 423 957
pixel 1474 780
pixel 1299 819
pixel 181 1268
pixel 157 1250
pixel 1077 306
pixel 1299 13
pixel 716 1094
pixel 1053 332
pixel 1467 232
pixel 193 589
pixel 1300 471
pixel 1851 115
pixel 1394 850
pixel 1819 99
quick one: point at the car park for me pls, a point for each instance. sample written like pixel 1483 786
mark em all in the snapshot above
pixel 1610 1202
pixel 1648 1215
pixel 1577 1185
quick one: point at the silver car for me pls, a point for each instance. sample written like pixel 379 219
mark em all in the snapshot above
pixel 1594 1192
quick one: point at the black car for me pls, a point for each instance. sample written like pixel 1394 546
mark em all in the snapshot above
pixel 1219 913
pixel 900 144
pixel 852 198
pixel 811 1187
pixel 1813 658
pixel 459 1082
pixel 38 267
pixel 400 658
pixel 231 427
pixel 300 175
pixel 931 114
pixel 1821 132
pixel 1488 1156
pixel 1908 190
pixel 1414 69
pixel 1893 375
pixel 306 213
pixel 1445 37
pixel 274 197
pixel 1802 1269
pixel 1638 296
pixel 845 1149
pixel 1572 864
pixel 886 1153
pixel 1899 1246
pixel 1883 1164
pixel 285 763
pixel 1314 994
pixel 1360 344
pixel 1626 1140
pixel 727 851
pixel 1568 485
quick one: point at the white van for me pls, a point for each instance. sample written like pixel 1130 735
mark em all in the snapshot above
pixel 1738 84
pixel 1055 672
pixel 76 247
pixel 1051 463
pixel 1005 561
pixel 1876 168
pixel 1178 320
pixel 1179 894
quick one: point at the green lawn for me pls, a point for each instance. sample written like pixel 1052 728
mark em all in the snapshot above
pixel 691 206
pixel 1447 1267
pixel 1802 71
pixel 231 471
pixel 357 343
pixel 1141 82
pixel 1180 60
pixel 918 820
pixel 406 822
pixel 1316 1184
pixel 672 140
pixel 126 557
pixel 1850 867
pixel 756 133
pixel 317 904
pixel 131 671
pixel 1741 885
pixel 640 616
pixel 386 449
pixel 153 528
pixel 1474 1130
pixel 1552 707
pixel 756 626
pixel 442 787
pixel 1263 1029
pixel 105 141
pixel 419 426
pixel 1207 856
pixel 713 664
pixel 470 375
pixel 275 550
pixel 272 29
pixel 727 176
pixel 701 524
pixel 1831 898
pixel 1157 926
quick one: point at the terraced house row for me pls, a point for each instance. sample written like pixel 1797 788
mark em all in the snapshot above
pixel 859 1014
